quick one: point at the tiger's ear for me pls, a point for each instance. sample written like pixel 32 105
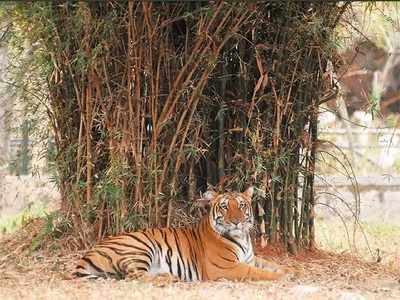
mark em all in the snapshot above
pixel 206 198
pixel 248 193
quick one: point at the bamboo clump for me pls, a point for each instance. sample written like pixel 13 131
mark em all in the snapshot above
pixel 153 102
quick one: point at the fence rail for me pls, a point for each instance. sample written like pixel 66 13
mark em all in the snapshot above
pixel 357 130
pixel 365 183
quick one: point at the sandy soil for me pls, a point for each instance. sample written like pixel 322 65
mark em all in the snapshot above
pixel 135 290
pixel 346 282
pixel 324 275
pixel 317 275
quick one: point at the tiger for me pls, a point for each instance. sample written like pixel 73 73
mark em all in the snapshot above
pixel 218 247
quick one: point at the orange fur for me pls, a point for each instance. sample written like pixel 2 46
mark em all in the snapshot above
pixel 218 247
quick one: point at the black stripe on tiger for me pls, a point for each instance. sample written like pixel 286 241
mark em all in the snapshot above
pixel 208 251
pixel 125 252
pixel 121 244
pixel 109 259
pixel 190 261
pixel 89 261
pixel 124 264
pixel 233 252
pixel 140 241
pixel 193 254
pixel 229 238
pixel 168 257
pixel 218 266
pixel 179 256
pixel 150 240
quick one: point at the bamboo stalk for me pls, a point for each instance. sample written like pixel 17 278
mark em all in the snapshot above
pixel 221 126
pixel 134 91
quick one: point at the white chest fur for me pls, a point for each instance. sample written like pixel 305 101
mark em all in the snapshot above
pixel 244 248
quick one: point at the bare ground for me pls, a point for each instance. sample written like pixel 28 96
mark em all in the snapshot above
pixel 319 274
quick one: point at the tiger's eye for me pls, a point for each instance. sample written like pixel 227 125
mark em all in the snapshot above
pixel 223 205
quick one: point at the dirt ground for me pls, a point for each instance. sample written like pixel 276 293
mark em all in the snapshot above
pixel 319 274
pixel 322 276
pixel 329 273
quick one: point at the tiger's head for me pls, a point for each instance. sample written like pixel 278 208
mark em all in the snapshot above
pixel 230 213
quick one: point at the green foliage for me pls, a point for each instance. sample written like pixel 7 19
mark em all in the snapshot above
pixel 55 226
pixel 29 65
pixel 152 102
pixel 11 224
pixel 374 101
pixel 375 21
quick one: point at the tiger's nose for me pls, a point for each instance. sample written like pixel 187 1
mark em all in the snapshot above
pixel 235 221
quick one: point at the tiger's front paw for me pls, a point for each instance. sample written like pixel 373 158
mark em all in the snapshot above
pixel 287 272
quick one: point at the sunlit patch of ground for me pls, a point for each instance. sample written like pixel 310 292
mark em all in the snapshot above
pixel 347 267
pixel 317 275
pixel 23 197
pixel 369 241
pixel 218 290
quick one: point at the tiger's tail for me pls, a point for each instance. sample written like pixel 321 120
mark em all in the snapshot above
pixel 87 269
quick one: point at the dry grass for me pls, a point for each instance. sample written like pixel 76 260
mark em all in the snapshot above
pixel 220 290
pixel 331 273
pixel 370 241
pixel 24 197
pixel 320 274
